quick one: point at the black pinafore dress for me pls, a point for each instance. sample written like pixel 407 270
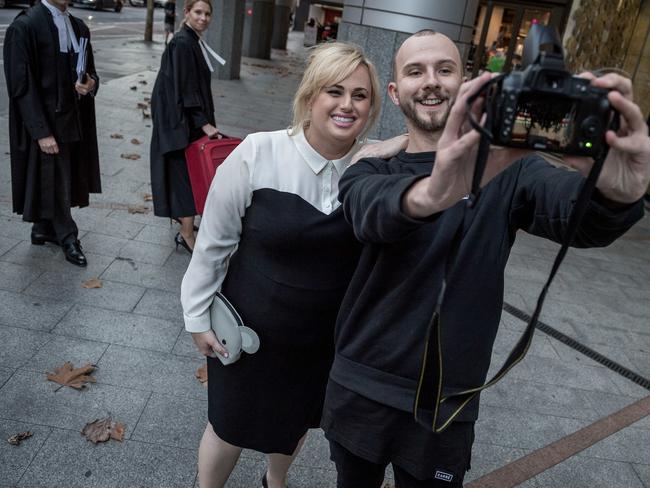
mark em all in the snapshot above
pixel 287 280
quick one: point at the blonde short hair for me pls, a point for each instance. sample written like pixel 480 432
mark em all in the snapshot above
pixel 327 65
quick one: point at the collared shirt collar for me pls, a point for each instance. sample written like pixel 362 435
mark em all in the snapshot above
pixel 53 9
pixel 66 35
pixel 317 162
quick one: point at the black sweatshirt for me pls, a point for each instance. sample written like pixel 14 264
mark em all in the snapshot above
pixel 381 328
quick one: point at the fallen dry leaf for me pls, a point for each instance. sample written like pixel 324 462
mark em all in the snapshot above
pixel 100 430
pixel 133 88
pixel 145 114
pixel 202 375
pixel 143 82
pixel 143 105
pixel 117 136
pixel 15 439
pixel 146 99
pixel 135 141
pixel 131 156
pixel 68 375
pixel 138 209
pixel 92 283
pixel 148 197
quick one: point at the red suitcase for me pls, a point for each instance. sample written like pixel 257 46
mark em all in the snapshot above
pixel 203 157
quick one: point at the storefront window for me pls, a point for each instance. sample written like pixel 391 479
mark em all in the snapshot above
pixel 500 31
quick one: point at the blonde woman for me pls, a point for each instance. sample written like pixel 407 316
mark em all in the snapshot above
pixel 274 240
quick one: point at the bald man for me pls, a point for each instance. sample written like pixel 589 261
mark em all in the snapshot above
pixel 405 211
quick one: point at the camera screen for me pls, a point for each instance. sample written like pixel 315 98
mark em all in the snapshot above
pixel 544 121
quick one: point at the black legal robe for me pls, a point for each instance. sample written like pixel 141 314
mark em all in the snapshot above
pixel 43 102
pixel 181 103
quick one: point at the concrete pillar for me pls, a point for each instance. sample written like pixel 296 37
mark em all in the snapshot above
pixel 225 36
pixel 180 14
pixel 281 23
pixel 301 15
pixel 259 31
pixel 380 27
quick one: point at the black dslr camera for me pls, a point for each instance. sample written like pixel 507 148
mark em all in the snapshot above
pixel 544 107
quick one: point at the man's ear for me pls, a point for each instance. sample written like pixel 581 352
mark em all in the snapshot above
pixel 393 93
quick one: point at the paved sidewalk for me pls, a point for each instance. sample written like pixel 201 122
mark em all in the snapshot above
pixel 132 330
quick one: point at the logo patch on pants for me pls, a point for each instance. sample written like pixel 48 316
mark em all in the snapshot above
pixel 444 476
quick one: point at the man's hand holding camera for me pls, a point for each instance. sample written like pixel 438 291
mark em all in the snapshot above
pixel 626 173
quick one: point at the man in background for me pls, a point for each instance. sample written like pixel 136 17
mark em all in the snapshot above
pixel 52 132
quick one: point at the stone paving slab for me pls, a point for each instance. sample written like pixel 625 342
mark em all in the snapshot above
pixel 6 243
pixel 103 244
pixel 112 295
pixel 185 346
pixel 20 310
pixel 628 445
pixel 119 328
pixel 643 472
pixel 487 457
pixel 590 473
pixel 61 349
pixel 150 371
pixel 161 304
pixel 64 407
pixel 520 429
pixel 528 396
pixel 18 345
pixel 175 421
pixel 144 275
pixel 156 234
pixel 144 252
pixel 68 460
pixel 5 374
pixel 15 459
pixel 16 277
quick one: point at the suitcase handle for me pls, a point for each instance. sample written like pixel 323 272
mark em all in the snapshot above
pixel 223 136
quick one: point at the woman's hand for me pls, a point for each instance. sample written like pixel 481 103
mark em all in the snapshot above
pixel 382 149
pixel 211 131
pixel 208 345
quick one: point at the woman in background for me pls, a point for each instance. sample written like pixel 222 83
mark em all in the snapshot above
pixel 182 110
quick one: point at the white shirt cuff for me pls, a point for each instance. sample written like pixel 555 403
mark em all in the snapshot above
pixel 197 324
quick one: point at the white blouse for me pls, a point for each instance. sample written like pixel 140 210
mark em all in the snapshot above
pixel 273 160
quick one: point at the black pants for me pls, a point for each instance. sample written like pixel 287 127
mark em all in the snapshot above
pixel 61 225
pixel 355 472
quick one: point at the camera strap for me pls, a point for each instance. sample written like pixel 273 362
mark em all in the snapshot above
pixel 433 408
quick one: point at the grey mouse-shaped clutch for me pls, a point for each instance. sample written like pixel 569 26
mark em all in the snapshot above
pixel 231 331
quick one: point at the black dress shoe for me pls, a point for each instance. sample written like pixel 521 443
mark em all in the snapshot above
pixel 74 254
pixel 39 239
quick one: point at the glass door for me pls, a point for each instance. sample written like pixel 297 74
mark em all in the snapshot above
pixel 500 31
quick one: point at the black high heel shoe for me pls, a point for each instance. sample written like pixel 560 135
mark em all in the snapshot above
pixel 180 241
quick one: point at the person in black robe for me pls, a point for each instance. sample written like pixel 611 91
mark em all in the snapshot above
pixel 52 132
pixel 182 110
